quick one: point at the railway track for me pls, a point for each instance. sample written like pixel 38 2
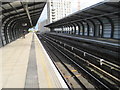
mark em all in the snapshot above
pixel 94 74
pixel 101 49
pixel 97 58
pixel 72 77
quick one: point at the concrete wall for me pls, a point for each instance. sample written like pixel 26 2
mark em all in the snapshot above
pixel 41 27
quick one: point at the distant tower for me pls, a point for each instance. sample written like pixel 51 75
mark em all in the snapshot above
pixel 57 9
pixel 78 4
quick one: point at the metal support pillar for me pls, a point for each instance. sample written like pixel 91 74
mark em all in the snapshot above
pixel 88 27
pixel 78 28
pixel 83 27
pixel 74 32
pixel 93 26
pixel 100 21
pixel 112 26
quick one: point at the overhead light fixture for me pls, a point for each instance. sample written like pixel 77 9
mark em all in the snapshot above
pixel 24 24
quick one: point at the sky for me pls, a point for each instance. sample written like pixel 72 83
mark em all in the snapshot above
pixel 74 6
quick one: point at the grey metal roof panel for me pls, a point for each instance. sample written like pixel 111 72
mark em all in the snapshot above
pixel 16 10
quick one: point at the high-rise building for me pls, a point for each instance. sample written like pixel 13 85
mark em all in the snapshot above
pixel 57 9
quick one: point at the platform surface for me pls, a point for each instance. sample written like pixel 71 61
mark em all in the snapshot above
pixel 25 64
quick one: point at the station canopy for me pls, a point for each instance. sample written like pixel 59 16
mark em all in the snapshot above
pixel 107 7
pixel 26 12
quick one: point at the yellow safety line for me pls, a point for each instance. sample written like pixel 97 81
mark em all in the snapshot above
pixel 73 70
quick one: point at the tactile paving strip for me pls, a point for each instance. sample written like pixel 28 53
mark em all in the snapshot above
pixel 32 75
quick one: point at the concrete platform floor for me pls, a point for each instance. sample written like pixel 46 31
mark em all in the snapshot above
pixel 25 64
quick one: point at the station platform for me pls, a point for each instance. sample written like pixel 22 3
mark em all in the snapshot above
pixel 25 64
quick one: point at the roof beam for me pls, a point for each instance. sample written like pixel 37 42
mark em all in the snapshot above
pixel 28 13
pixel 3 3
pixel 3 13
pixel 23 12
pixel 53 24
pixel 13 8
pixel 105 11
pixel 78 16
pixel 31 15
pixel 5 10
pixel 112 5
pixel 20 7
pixel 91 13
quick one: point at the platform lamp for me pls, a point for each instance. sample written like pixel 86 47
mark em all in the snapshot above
pixel 24 25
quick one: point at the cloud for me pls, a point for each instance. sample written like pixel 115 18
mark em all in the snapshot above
pixel 74 6
pixel 87 3
pixel 44 14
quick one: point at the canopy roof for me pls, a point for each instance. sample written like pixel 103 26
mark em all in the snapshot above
pixel 27 12
pixel 97 10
